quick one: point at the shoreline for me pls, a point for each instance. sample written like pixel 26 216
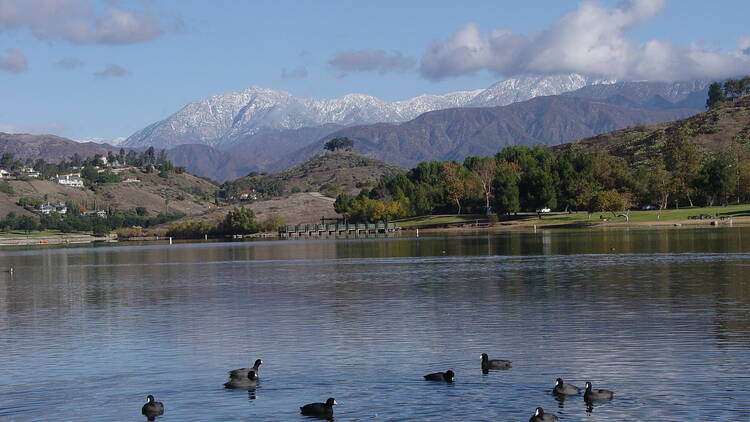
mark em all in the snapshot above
pixel 73 239
pixel 535 225
pixel 524 226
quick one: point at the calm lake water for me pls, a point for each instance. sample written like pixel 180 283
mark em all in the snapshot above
pixel 663 320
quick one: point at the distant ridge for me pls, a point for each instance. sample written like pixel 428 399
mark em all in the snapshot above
pixel 454 134
pixel 221 120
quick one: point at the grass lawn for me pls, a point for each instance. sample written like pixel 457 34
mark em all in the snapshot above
pixel 582 218
pixel 434 220
pixel 44 233
pixel 655 216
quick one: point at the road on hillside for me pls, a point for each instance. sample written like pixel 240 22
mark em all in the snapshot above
pixel 321 196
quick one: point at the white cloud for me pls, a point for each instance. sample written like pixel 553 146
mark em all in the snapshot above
pixel 35 129
pixel 590 40
pixel 112 71
pixel 79 21
pixel 13 61
pixel 69 63
pixel 371 60
pixel 100 140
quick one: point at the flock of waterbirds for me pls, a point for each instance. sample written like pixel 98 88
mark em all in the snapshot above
pixel 247 379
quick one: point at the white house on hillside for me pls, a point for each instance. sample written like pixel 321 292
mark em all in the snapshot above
pixel 4 174
pixel 72 180
pixel 29 172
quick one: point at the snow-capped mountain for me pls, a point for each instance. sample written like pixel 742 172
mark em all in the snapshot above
pixel 223 120
pixel 109 141
pixel 524 88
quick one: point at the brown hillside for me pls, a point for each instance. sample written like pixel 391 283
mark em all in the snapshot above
pixel 330 173
pixel 186 193
pixel 51 148
pixel 712 130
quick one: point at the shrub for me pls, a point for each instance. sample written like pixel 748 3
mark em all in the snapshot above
pixel 100 230
pixel 127 232
pixel 272 223
pixel 188 229
pixel 5 187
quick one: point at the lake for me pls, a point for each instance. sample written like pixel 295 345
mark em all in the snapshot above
pixel 661 317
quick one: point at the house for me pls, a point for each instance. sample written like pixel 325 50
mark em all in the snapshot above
pixel 71 180
pixel 50 207
pixel 29 172
pixel 98 213
pixel 4 174
pixel 248 195
pixel 131 180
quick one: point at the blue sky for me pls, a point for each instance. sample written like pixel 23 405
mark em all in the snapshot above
pixel 89 68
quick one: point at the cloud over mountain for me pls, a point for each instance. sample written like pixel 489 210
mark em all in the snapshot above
pixel 591 40
pixel 80 21
pixel 370 61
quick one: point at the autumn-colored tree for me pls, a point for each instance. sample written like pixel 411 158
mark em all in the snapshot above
pixel 683 160
pixel 661 184
pixel 455 186
pixel 484 168
pixel 609 201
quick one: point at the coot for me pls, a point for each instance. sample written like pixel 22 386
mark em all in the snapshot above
pixel 319 410
pixel 440 376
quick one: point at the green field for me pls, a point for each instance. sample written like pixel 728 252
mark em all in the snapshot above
pixel 44 233
pixel 439 220
pixel 583 218
pixel 654 216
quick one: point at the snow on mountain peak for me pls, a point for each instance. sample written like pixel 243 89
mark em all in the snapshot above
pixel 222 119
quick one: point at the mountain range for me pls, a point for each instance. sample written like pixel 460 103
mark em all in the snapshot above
pixel 454 134
pixel 50 148
pixel 228 136
pixel 225 120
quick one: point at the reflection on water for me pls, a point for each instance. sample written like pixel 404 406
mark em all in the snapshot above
pixel 660 317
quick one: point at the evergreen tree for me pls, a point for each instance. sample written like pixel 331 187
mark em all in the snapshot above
pixel 715 95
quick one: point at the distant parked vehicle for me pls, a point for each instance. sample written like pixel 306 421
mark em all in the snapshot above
pixel 649 207
pixel 543 210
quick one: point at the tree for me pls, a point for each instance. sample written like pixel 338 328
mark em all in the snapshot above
pixel 90 173
pixel 272 223
pixel 342 203
pixel 505 186
pixel 576 184
pixel 661 184
pixel 100 230
pixel 683 160
pixel 484 169
pixel 745 83
pixel 27 223
pixel 715 95
pixel 609 201
pixel 339 143
pixel 239 221
pixel 718 177
pixel 455 185
pixel 6 161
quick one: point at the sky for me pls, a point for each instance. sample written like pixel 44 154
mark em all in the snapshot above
pixel 107 68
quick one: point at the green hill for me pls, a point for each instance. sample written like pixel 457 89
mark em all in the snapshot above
pixel 712 130
pixel 330 173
